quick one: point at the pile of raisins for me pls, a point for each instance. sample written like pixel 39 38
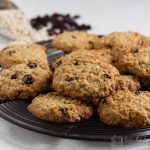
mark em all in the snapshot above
pixel 59 23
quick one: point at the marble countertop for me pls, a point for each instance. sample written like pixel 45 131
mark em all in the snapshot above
pixel 105 16
pixel 13 137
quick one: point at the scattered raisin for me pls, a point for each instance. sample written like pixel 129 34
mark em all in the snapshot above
pixel 76 17
pixel 14 76
pixel 32 65
pixel 107 76
pixel 59 23
pixel 27 79
pixel 54 31
pixel 84 27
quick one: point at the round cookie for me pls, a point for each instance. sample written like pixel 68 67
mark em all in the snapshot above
pixel 71 41
pixel 123 42
pixel 137 63
pixel 52 107
pixel 23 81
pixel 16 54
pixel 128 82
pixel 80 56
pixel 126 109
pixel 85 80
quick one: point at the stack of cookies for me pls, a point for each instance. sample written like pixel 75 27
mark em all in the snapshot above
pixel 24 72
pixel 106 75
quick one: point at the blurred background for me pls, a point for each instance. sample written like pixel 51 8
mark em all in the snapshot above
pixel 104 15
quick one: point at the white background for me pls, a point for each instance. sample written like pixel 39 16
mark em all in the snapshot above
pixel 105 16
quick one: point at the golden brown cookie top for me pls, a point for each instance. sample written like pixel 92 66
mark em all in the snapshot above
pixel 23 81
pixel 126 108
pixel 71 41
pixel 83 56
pixel 123 42
pixel 23 53
pixel 86 80
pixel 137 62
pixel 128 82
pixel 53 107
pixel 24 71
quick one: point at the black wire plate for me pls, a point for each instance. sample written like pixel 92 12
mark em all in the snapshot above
pixel 16 113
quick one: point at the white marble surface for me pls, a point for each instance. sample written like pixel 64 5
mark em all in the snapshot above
pixel 105 16
pixel 13 137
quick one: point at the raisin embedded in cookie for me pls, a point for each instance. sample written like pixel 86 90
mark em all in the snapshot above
pixel 24 71
pixel 71 41
pixel 137 63
pixel 126 109
pixel 52 107
pixel 23 82
pixel 86 80
pixel 128 82
pixel 83 56
pixel 17 54
pixel 123 42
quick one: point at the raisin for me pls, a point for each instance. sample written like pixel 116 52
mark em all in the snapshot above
pixel 76 17
pixel 141 42
pixel 27 79
pixel 59 23
pixel 134 50
pixel 110 46
pixel 137 92
pixel 107 76
pixel 32 65
pixel 54 31
pixel 14 76
pixel 90 42
pixel 84 27
pixel 76 62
